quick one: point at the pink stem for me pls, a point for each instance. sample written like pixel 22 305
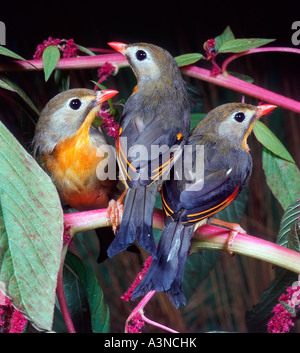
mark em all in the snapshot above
pixel 156 324
pixel 244 87
pixel 81 221
pixel 63 302
pixel 73 63
pixel 139 308
pixel 206 237
pixel 215 238
pixel 227 81
pixel 258 50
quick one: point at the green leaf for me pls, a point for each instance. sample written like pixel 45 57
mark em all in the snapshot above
pixel 226 36
pixel 240 45
pixel 196 118
pixel 282 178
pixel 266 137
pixel 6 86
pixel 290 309
pixel 100 318
pixel 102 87
pixel 290 216
pixel 294 236
pixel 50 58
pixel 85 50
pixel 31 228
pixel 76 298
pixel 188 59
pixel 11 86
pixel 11 54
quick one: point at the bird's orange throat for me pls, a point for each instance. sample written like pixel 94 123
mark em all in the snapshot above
pixel 74 159
pixel 74 155
pixel 244 143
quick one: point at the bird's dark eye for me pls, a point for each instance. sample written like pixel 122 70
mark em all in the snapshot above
pixel 239 117
pixel 141 55
pixel 75 104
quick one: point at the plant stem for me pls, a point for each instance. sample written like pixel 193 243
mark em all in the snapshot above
pixel 83 221
pixel 244 87
pixel 156 324
pixel 215 238
pixel 139 308
pixel 60 293
pixel 80 62
pixel 119 60
pixel 206 237
pixel 258 50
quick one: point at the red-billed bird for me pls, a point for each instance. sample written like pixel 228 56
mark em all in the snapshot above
pixel 190 203
pixel 68 146
pixel 157 114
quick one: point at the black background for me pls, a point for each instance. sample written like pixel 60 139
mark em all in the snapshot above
pixel 179 26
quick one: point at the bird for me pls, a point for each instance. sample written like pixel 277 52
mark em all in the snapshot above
pixel 188 202
pixel 74 153
pixel 153 125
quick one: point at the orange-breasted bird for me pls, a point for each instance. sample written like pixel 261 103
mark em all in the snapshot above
pixel 190 202
pixel 157 114
pixel 67 145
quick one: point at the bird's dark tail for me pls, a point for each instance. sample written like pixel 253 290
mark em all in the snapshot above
pixel 136 221
pixel 166 270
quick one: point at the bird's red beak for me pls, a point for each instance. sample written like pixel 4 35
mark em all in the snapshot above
pixel 104 95
pixel 120 47
pixel 264 109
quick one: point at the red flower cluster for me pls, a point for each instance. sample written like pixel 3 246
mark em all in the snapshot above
pixel 126 297
pixel 105 70
pixel 136 324
pixel 210 49
pixel 11 319
pixel 46 43
pixel 67 239
pixel 109 124
pixel 68 47
pixel 211 53
pixel 282 320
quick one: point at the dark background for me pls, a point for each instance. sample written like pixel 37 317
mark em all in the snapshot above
pixel 235 284
pixel 178 26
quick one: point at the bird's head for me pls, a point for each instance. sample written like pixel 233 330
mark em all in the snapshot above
pixel 233 122
pixel 65 114
pixel 149 62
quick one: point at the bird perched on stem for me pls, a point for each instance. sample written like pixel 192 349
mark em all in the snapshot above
pixel 157 114
pixel 75 153
pixel 226 166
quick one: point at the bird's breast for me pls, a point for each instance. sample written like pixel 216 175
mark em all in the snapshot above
pixel 73 163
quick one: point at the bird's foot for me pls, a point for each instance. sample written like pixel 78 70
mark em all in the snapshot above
pixel 114 213
pixel 235 229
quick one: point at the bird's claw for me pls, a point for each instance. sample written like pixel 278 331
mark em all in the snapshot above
pixel 114 214
pixel 235 229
